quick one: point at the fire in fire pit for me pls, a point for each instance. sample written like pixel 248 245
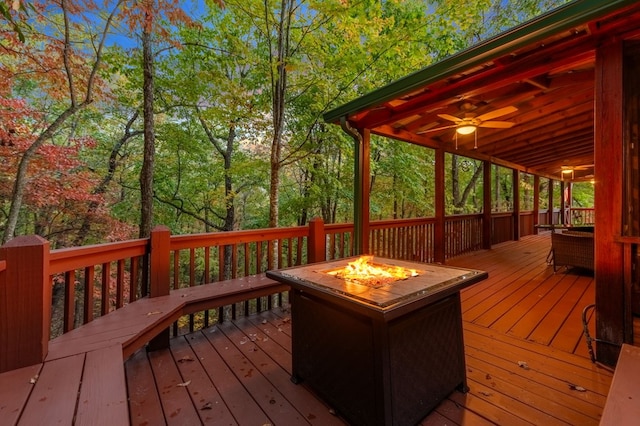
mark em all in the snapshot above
pixel 362 271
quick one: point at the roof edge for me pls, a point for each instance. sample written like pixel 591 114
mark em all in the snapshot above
pixel 552 22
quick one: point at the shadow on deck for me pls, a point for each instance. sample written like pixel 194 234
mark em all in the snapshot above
pixel 527 362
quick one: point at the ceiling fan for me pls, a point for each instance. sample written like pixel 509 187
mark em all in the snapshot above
pixel 470 122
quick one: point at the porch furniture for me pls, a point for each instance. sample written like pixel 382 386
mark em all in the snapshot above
pixel 379 356
pixel 572 248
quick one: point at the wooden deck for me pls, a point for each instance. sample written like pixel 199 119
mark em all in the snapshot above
pixel 527 362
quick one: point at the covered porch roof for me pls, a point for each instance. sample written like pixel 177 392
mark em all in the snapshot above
pixel 544 68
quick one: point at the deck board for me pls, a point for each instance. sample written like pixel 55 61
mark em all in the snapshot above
pixel 524 312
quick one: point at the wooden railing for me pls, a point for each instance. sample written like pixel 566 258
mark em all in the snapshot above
pixel 93 281
pixel 501 227
pixel 407 239
pixel 582 216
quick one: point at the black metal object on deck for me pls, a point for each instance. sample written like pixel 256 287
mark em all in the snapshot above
pixel 379 356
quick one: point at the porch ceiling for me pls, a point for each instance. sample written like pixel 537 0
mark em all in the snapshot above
pixel 545 68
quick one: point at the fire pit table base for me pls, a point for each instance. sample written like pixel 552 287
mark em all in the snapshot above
pixel 375 372
pixel 386 354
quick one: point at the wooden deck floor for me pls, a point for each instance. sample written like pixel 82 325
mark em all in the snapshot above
pixel 526 360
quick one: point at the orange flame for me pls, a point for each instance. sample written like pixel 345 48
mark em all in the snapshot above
pixel 362 271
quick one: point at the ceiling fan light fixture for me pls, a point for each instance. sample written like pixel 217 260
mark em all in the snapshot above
pixel 466 129
pixel 567 171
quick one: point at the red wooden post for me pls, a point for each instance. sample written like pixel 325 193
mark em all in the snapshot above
pixel 159 275
pixel 516 204
pixel 366 188
pixel 536 203
pixel 439 232
pixel 487 226
pixel 550 202
pixel 609 135
pixel 316 247
pixel 25 302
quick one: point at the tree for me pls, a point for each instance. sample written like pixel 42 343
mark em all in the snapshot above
pixel 68 63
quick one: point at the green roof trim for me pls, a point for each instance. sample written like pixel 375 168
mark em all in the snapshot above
pixel 557 20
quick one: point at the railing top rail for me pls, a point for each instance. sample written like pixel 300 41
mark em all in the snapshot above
pixel 463 216
pixel 338 227
pixel 67 259
pixel 396 223
pixel 180 242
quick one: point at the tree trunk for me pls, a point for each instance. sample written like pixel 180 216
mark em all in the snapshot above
pixel 146 173
pixel 279 90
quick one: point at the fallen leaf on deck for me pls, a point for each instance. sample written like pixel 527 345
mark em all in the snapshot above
pixel 576 388
pixel 34 379
pixel 207 406
pixel 485 393
pixel 187 383
pixel 185 358
pixel 523 365
pixel 153 313
pixel 488 376
pixel 264 321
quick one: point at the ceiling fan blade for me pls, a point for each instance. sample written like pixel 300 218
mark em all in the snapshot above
pixel 497 113
pixel 450 117
pixel 497 124
pixel 436 129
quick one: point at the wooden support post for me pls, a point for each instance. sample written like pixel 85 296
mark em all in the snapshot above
pixel 159 281
pixel 486 207
pixel 316 246
pixel 25 302
pixel 439 233
pixel 609 207
pixel 516 205
pixel 552 184
pixel 536 203
pixel 366 188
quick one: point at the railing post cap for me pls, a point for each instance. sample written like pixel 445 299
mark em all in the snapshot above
pixel 26 241
pixel 160 228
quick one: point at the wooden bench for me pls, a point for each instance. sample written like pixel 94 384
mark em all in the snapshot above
pixel 623 401
pixel 82 379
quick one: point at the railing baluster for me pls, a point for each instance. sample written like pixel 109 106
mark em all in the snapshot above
pixel 134 266
pixel 89 277
pixel 120 284
pixel 106 277
pixel 69 300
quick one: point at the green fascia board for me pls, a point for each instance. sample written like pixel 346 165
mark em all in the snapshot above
pixel 555 21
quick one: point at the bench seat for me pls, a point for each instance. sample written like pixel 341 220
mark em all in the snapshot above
pixel 82 379
pixel 622 407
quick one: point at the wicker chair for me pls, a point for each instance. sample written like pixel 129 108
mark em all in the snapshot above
pixel 572 248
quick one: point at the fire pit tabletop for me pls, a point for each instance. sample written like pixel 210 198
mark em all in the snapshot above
pixel 431 278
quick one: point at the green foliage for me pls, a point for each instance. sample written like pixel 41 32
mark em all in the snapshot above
pixel 214 110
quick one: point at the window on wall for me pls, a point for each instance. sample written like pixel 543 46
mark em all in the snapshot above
pixel 526 191
pixel 501 189
pixel 463 185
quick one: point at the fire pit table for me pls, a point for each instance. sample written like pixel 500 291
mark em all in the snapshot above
pixel 380 352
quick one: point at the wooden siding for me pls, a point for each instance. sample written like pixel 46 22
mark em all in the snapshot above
pixel 527 362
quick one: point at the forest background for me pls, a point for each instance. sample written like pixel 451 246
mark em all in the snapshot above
pixel 207 115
